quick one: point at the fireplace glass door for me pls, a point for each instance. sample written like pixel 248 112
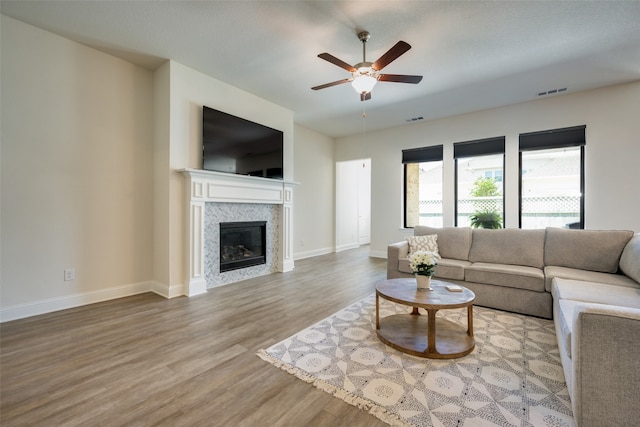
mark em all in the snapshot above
pixel 242 244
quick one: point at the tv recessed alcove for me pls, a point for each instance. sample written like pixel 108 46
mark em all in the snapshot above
pixel 242 244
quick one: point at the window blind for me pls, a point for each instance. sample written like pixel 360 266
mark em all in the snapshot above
pixel 479 147
pixel 555 138
pixel 424 154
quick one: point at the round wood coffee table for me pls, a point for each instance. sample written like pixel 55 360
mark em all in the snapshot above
pixel 418 335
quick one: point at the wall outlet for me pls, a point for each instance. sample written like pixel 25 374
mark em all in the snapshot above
pixel 69 274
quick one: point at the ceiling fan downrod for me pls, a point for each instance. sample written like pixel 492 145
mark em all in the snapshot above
pixel 364 77
pixel 364 36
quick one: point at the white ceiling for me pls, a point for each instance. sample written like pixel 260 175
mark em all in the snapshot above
pixel 473 55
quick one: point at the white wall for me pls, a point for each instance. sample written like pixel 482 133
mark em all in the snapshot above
pixel 179 144
pixel 76 171
pixel 613 149
pixel 314 197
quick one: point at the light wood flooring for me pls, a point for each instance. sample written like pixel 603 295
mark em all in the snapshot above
pixel 145 360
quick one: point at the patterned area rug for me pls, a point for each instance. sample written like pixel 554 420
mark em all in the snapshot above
pixel 513 377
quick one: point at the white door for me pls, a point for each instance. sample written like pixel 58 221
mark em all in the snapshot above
pixel 353 204
pixel 364 202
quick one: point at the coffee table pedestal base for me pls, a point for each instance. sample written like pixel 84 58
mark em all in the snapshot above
pixel 412 334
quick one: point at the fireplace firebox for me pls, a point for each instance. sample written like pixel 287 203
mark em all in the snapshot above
pixel 242 244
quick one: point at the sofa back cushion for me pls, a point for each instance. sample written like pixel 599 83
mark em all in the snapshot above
pixel 593 250
pixel 630 259
pixel 508 246
pixel 453 242
pixel 427 242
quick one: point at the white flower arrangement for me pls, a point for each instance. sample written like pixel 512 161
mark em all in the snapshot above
pixel 423 263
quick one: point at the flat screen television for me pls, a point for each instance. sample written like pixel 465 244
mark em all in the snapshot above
pixel 235 145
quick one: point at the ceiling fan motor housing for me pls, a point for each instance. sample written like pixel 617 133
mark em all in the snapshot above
pixel 364 36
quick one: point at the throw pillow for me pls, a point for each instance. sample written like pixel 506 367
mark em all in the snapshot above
pixel 423 243
pixel 630 259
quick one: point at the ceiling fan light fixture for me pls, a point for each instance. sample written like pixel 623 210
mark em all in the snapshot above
pixel 363 80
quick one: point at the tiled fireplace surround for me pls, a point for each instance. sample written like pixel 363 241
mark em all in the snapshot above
pixel 218 197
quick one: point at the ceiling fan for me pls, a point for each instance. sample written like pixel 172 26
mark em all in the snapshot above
pixel 365 75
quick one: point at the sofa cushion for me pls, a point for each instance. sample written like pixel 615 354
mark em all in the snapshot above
pixel 427 242
pixel 446 269
pixel 600 293
pixel 630 258
pixel 565 320
pixel 403 265
pixel 568 309
pixel 451 269
pixel 508 246
pixel 593 250
pixel 552 271
pixel 453 242
pixel 511 276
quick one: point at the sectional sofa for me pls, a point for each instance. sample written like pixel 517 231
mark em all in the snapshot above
pixel 588 281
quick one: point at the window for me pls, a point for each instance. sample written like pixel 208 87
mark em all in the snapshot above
pixel 423 186
pixel 479 184
pixel 552 178
pixel 494 174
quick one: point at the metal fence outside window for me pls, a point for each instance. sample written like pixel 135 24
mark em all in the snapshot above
pixel 537 212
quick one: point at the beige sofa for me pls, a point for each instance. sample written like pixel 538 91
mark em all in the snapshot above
pixel 587 280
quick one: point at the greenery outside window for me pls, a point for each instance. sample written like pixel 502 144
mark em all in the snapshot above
pixel 479 183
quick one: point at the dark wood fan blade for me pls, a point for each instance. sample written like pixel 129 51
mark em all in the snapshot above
pixel 391 55
pixel 335 61
pixel 338 82
pixel 399 78
pixel 365 96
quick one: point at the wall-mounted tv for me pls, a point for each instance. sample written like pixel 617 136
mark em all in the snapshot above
pixel 235 145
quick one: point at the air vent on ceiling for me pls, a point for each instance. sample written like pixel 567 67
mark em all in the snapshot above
pixel 414 119
pixel 552 91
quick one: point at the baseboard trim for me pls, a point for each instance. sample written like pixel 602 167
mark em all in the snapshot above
pixel 378 254
pixel 287 265
pixel 315 252
pixel 347 247
pixel 20 311
pixel 167 291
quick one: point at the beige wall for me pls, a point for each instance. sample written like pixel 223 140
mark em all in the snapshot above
pixel 91 152
pixel 77 183
pixel 314 201
pixel 181 140
pixel 161 200
pixel 612 153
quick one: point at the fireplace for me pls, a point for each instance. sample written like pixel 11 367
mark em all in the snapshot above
pixel 215 197
pixel 242 244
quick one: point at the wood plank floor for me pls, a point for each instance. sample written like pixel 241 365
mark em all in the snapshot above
pixel 145 360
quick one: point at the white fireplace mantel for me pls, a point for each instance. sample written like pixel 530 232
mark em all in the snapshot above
pixel 205 186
